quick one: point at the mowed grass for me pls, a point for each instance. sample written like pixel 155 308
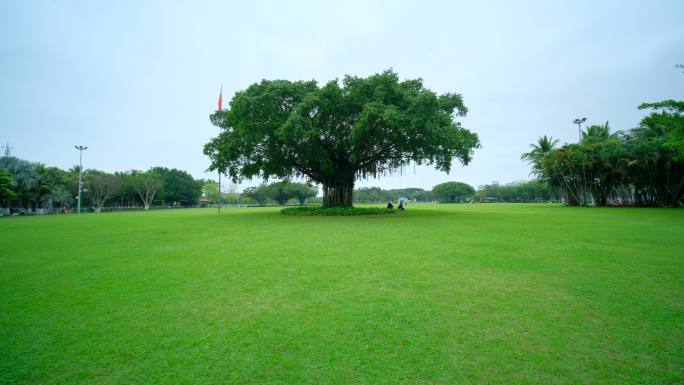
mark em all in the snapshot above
pixel 438 294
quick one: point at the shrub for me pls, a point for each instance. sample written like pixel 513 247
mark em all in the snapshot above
pixel 451 192
pixel 331 211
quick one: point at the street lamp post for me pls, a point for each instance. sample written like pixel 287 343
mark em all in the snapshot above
pixel 80 175
pixel 579 122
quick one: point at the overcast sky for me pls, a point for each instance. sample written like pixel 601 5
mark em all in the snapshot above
pixel 136 81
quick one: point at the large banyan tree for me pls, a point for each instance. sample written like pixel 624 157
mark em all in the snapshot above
pixel 334 134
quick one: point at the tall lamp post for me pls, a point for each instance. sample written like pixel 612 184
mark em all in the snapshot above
pixel 579 122
pixel 80 175
pixel 220 108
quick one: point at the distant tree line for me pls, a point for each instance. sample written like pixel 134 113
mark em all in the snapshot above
pixel 284 192
pixel 453 192
pixel 643 166
pixel 281 193
pixel 291 193
pixel 29 186
pixel 34 186
pixel 522 192
pixel 459 192
pixel 278 193
pixel 378 195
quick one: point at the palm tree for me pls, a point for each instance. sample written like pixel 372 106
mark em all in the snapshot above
pixel 542 148
pixel 25 178
pixel 6 191
pixel 61 196
pixel 597 133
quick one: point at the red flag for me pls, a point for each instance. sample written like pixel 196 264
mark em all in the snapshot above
pixel 220 103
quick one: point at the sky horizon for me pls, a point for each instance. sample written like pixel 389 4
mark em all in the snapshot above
pixel 136 82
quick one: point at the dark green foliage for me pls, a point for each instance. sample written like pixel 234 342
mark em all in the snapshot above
pixel 529 191
pixel 60 197
pixel 452 192
pixel 543 146
pixel 34 185
pixel 666 122
pixel 126 195
pixel 279 192
pixel 179 188
pixel 644 166
pixel 99 186
pixel 283 191
pixel 336 211
pixel 338 132
pixel 5 185
pixel 26 181
pixel 372 194
pixel 302 191
pixel 146 185
pixel 258 194
pixel 376 194
pixel 52 187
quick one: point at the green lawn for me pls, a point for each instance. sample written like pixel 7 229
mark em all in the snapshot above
pixel 441 294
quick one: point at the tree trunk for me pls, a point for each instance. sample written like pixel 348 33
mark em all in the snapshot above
pixel 600 197
pixel 147 206
pixel 338 193
pixel 571 201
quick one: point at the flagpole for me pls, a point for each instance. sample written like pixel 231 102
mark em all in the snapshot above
pixel 220 108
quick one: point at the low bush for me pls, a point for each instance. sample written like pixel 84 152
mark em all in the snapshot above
pixel 331 211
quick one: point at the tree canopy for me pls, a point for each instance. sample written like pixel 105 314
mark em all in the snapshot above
pixel 522 191
pixel 642 166
pixel 376 194
pixel 146 184
pixel 178 187
pixel 100 185
pixel 451 192
pixel 34 185
pixel 302 191
pixel 336 133
pixel 258 194
pixel 280 192
pixel 5 184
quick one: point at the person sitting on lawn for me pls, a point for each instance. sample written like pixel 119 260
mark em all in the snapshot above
pixel 390 205
pixel 401 205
